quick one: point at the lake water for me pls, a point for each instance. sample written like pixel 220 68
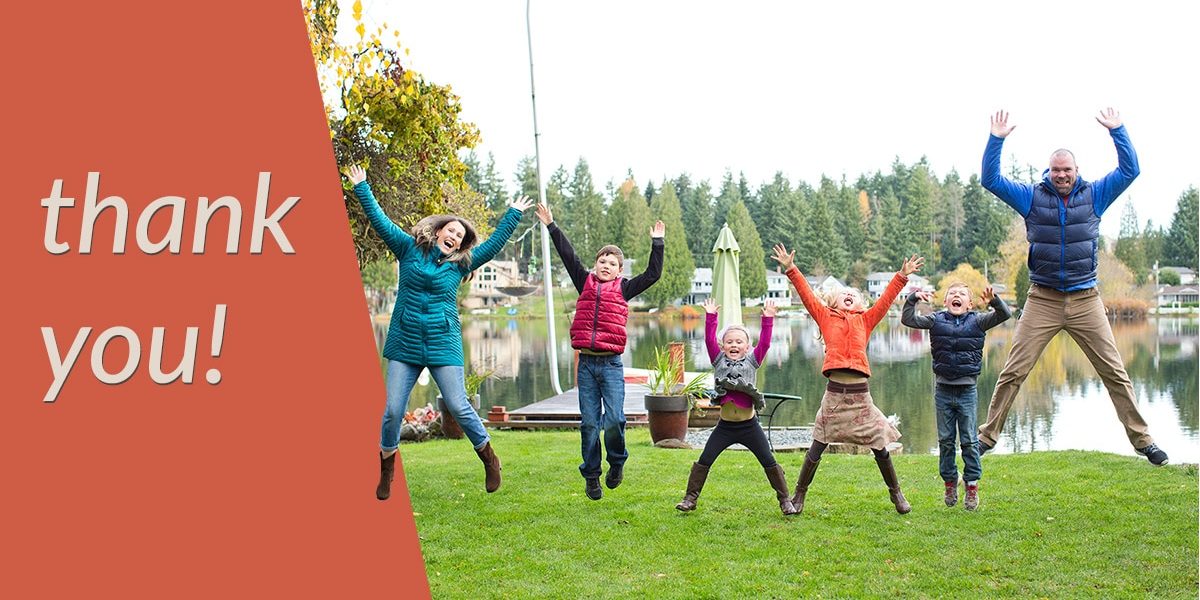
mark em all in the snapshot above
pixel 1062 405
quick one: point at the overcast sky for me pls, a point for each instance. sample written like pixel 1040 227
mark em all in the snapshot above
pixel 812 88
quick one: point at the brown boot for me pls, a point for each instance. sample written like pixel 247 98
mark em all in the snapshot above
pixel 491 467
pixel 387 470
pixel 694 485
pixel 779 482
pixel 888 470
pixel 807 472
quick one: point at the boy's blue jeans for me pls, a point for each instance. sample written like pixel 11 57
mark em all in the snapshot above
pixel 401 377
pixel 956 405
pixel 601 382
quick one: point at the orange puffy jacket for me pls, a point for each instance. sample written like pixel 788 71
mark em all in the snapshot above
pixel 846 333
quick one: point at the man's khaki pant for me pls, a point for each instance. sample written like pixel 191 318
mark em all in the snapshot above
pixel 1081 314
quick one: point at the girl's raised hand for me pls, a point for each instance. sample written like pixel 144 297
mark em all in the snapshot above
pixel 356 174
pixel 769 309
pixel 710 306
pixel 521 203
pixel 912 265
pixel 783 257
pixel 544 215
pixel 658 230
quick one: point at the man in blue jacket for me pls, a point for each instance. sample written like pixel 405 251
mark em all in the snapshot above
pixel 1062 224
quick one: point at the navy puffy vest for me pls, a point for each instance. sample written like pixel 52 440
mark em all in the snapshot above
pixel 1062 239
pixel 956 344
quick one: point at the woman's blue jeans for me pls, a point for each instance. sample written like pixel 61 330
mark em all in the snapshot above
pixel 401 377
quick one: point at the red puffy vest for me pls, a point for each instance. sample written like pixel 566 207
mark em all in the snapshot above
pixel 600 317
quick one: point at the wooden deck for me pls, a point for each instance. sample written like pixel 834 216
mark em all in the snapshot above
pixel 562 411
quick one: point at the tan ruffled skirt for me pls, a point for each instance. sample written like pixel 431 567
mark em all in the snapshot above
pixel 848 415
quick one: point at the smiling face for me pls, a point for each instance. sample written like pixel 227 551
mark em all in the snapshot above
pixel 848 299
pixel 1063 172
pixel 608 266
pixel 450 237
pixel 958 299
pixel 735 343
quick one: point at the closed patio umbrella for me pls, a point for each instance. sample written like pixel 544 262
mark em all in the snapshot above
pixel 727 288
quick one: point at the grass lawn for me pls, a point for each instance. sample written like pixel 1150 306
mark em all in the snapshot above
pixel 1050 524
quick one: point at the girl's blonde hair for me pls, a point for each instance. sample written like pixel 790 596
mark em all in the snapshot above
pixel 425 235
pixel 734 327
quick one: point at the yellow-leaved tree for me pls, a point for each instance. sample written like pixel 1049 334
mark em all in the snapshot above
pixel 405 130
pixel 963 273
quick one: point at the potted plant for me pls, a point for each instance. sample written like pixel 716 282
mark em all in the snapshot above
pixel 669 401
pixel 472 383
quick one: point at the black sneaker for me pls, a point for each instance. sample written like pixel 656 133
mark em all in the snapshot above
pixel 1155 454
pixel 592 489
pixel 984 447
pixel 616 474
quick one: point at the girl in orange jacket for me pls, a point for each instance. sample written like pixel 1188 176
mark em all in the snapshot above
pixel 847 413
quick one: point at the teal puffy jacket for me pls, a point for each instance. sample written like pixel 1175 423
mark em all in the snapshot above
pixel 425 329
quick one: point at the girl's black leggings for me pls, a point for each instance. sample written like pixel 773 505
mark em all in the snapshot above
pixel 747 433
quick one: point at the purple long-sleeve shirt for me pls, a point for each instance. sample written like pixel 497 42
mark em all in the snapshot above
pixel 714 349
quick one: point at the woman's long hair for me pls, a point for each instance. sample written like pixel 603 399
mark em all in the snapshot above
pixel 425 234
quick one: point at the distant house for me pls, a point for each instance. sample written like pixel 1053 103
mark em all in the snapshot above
pixel 1186 275
pixel 779 289
pixel 1175 295
pixel 489 278
pixel 877 282
pixel 702 281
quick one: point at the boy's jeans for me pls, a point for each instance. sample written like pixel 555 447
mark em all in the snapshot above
pixel 956 405
pixel 401 377
pixel 601 382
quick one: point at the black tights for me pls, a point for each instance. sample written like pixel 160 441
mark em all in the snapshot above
pixel 747 433
pixel 817 448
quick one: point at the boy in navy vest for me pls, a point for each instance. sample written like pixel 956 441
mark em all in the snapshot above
pixel 956 338
pixel 598 333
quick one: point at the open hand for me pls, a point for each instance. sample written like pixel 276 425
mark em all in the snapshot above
pixel 521 203
pixel 356 174
pixel 544 215
pixel 1109 118
pixel 1000 126
pixel 987 295
pixel 710 306
pixel 786 259
pixel 658 230
pixel 924 297
pixel 769 309
pixel 912 265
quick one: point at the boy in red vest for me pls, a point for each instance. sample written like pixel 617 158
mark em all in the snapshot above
pixel 598 333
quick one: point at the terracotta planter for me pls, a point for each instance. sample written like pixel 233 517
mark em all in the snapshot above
pixel 667 417
pixel 450 427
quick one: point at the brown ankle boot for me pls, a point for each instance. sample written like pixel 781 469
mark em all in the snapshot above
pixel 694 485
pixel 779 483
pixel 807 472
pixel 387 469
pixel 491 467
pixel 888 470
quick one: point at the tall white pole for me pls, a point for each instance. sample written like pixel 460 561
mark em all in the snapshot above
pixel 547 275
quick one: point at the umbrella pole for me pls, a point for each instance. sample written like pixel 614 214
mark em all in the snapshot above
pixel 547 276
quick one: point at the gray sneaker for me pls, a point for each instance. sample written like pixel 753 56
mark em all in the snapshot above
pixel 971 501
pixel 1154 454
pixel 951 493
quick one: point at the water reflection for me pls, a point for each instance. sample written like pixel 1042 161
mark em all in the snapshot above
pixel 1062 404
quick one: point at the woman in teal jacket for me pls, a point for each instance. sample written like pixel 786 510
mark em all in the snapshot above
pixel 425 331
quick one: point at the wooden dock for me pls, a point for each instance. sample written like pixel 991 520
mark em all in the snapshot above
pixel 562 411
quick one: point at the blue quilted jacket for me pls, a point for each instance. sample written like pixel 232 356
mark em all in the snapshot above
pixel 425 329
